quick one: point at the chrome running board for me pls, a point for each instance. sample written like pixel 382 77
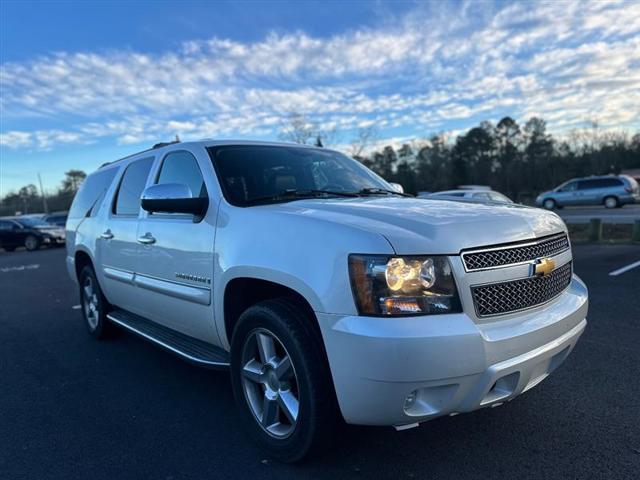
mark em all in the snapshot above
pixel 191 349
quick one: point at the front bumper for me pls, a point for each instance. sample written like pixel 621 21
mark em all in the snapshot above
pixel 446 364
pixel 53 240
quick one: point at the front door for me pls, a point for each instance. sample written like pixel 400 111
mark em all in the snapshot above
pixel 118 244
pixel 12 234
pixel 175 267
pixel 567 194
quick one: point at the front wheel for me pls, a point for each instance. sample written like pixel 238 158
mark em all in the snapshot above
pixel 281 381
pixel 549 204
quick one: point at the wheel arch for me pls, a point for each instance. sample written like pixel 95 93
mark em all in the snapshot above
pixel 81 259
pixel 242 292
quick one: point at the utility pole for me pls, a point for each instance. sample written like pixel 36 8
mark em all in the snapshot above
pixel 44 198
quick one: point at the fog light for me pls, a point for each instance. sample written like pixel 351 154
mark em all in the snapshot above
pixel 410 400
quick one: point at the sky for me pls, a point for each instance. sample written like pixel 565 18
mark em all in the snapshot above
pixel 82 83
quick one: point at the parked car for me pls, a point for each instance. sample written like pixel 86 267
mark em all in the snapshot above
pixel 328 294
pixel 610 191
pixel 30 232
pixel 56 218
pixel 478 195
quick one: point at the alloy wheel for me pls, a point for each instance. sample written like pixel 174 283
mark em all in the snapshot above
pixel 90 303
pixel 270 384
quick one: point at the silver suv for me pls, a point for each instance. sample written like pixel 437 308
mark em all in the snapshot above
pixel 328 294
pixel 610 191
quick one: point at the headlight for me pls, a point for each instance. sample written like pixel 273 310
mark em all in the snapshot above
pixel 385 285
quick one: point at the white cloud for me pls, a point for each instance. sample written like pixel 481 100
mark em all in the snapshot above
pixel 564 61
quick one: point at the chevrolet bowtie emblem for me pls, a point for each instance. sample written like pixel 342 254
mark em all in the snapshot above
pixel 542 267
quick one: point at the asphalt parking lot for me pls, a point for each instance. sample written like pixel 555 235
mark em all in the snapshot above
pixel 75 408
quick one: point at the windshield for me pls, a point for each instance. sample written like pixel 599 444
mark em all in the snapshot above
pixel 32 222
pixel 249 172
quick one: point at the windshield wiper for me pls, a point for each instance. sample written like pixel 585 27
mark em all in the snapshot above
pixel 379 191
pixel 295 194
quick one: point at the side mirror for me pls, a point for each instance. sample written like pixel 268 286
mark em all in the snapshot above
pixel 173 198
pixel 397 187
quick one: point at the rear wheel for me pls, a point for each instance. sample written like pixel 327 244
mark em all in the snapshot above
pixel 31 243
pixel 281 381
pixel 94 305
pixel 549 204
pixel 610 202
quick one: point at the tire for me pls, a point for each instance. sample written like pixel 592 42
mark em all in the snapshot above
pixel 32 243
pixel 549 204
pixel 288 433
pixel 610 202
pixel 94 305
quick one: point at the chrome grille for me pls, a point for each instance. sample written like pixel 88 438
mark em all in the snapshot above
pixel 506 297
pixel 513 254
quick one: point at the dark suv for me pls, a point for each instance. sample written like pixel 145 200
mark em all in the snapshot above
pixel 610 191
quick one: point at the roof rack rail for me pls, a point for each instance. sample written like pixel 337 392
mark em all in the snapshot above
pixel 164 144
pixel 157 145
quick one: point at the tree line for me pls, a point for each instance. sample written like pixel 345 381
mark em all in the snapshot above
pixel 518 161
pixel 29 199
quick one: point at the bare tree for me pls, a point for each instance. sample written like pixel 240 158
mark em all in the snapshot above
pixel 298 129
pixel 364 138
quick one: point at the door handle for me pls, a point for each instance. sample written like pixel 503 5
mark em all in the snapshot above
pixel 147 239
pixel 107 235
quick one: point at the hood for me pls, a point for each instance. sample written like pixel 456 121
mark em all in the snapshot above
pixel 429 226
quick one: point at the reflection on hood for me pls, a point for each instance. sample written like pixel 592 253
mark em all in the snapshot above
pixel 418 226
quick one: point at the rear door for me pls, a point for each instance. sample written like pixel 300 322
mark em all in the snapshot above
pixel 117 244
pixel 588 192
pixel 175 267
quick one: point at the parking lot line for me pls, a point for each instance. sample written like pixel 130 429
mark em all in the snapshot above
pixel 624 269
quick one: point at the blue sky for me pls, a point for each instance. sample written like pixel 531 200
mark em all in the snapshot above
pixel 87 82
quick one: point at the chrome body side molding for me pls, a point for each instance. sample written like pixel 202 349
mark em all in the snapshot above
pixel 191 293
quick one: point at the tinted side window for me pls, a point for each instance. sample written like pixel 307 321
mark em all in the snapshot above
pixel 182 167
pixel 91 192
pixel 609 182
pixel 587 184
pixel 599 183
pixel 131 187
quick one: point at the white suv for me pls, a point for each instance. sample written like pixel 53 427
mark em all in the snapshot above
pixel 326 292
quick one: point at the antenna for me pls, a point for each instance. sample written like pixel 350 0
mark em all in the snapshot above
pixel 44 197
